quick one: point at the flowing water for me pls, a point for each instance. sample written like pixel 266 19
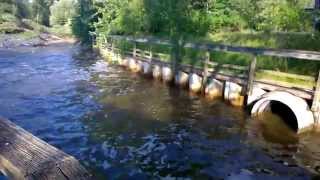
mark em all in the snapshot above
pixel 123 126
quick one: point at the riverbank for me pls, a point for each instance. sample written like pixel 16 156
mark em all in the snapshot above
pixel 31 39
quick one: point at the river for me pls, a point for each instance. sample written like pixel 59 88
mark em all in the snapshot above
pixel 121 125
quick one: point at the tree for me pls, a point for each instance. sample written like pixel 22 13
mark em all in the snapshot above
pixel 109 16
pixel 41 11
pixel 82 23
pixel 22 9
pixel 273 15
pixel 248 11
pixel 62 11
pixel 280 15
pixel 12 9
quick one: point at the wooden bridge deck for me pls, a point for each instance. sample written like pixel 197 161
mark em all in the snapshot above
pixel 24 156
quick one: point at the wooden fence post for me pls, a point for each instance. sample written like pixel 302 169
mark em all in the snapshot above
pixel 151 55
pixel 251 76
pixel 112 50
pixel 316 101
pixel 205 70
pixel 112 47
pixel 105 42
pixel 134 53
pixel 175 56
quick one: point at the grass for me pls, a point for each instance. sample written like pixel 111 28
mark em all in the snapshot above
pixel 284 80
pixel 282 40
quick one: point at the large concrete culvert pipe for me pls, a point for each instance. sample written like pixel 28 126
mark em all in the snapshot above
pixel 292 109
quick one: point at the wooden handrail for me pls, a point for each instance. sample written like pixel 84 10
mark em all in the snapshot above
pixel 287 53
pixel 248 80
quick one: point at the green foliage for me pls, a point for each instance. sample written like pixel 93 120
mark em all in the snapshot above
pixel 10 10
pixel 82 22
pixel 223 15
pixel 279 15
pixel 62 12
pixel 185 18
pixel 248 10
pixel 109 11
pixel 7 17
pixel 31 25
pixel 274 15
pixel 7 7
pixel 166 17
pixel 9 28
pixel 181 20
pixel 61 31
pixel 23 9
pixel 41 11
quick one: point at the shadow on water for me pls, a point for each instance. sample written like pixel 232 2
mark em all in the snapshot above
pixel 285 113
pixel 271 133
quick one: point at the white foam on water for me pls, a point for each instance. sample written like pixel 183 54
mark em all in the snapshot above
pixel 106 165
pixel 100 66
pixel 149 146
pixel 108 150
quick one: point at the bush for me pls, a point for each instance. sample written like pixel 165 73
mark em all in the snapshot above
pixel 29 24
pixel 6 17
pixel 10 28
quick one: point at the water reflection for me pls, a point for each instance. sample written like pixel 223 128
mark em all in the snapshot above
pixel 123 126
pixel 272 134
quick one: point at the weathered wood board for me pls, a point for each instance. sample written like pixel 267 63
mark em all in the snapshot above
pixel 24 156
pixel 288 53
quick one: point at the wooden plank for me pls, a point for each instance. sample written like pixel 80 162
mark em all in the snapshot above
pixel 293 85
pixel 112 47
pixel 151 54
pixel 229 66
pixel 24 156
pixel 134 51
pixel 297 54
pixel 205 71
pixel 287 53
pixel 316 101
pixel 224 77
pixel 161 54
pixel 303 93
pixel 150 40
pixel 288 75
pixel 252 70
pixel 145 59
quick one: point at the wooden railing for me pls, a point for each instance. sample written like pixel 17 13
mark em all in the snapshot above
pixel 297 54
pixel 209 68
